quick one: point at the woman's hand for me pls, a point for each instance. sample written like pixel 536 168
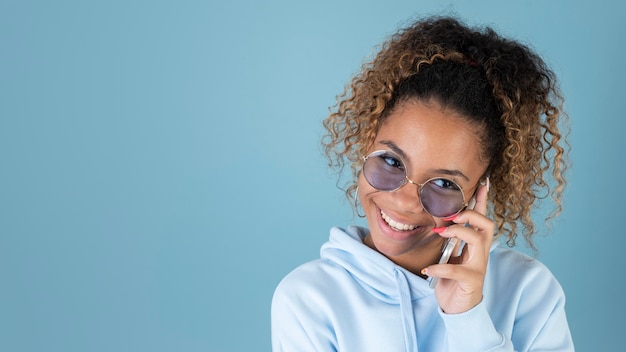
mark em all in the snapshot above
pixel 460 286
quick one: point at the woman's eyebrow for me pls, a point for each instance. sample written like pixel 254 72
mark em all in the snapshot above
pixel 394 147
pixel 447 172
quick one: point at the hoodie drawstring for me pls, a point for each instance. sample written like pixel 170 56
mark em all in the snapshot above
pixel 406 309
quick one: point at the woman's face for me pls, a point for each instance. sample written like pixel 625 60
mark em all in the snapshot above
pixel 432 142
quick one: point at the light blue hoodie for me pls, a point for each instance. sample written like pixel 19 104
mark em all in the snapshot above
pixel 354 299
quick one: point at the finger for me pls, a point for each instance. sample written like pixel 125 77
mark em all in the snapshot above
pixel 482 197
pixel 477 243
pixel 471 228
pixel 452 272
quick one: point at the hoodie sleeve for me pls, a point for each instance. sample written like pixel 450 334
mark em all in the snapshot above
pixel 537 314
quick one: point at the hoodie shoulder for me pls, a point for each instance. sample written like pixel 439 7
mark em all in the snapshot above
pixel 514 265
pixel 314 277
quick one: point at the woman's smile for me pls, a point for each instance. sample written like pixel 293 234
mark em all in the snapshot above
pixel 397 230
pixel 398 226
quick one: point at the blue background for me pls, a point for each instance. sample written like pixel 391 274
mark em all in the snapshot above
pixel 160 168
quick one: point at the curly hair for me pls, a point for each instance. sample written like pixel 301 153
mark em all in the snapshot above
pixel 498 84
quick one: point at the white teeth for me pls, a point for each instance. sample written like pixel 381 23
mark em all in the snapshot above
pixel 396 225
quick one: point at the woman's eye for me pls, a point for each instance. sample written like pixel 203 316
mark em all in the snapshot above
pixel 444 183
pixel 393 162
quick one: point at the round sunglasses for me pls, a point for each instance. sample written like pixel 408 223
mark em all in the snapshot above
pixel 440 197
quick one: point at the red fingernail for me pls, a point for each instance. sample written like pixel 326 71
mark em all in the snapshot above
pixel 424 271
pixel 450 218
pixel 439 229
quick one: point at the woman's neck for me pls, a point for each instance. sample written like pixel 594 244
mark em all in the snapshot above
pixel 418 258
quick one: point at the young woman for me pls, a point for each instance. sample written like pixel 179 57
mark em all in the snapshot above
pixel 450 133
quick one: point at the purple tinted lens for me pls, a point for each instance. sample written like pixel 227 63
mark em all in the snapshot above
pixel 441 197
pixel 384 171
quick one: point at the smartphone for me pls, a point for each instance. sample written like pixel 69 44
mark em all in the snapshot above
pixel 447 250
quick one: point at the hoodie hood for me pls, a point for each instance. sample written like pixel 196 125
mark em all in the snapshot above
pixel 373 271
pixel 378 275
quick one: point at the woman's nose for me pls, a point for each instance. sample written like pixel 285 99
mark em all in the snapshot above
pixel 407 197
